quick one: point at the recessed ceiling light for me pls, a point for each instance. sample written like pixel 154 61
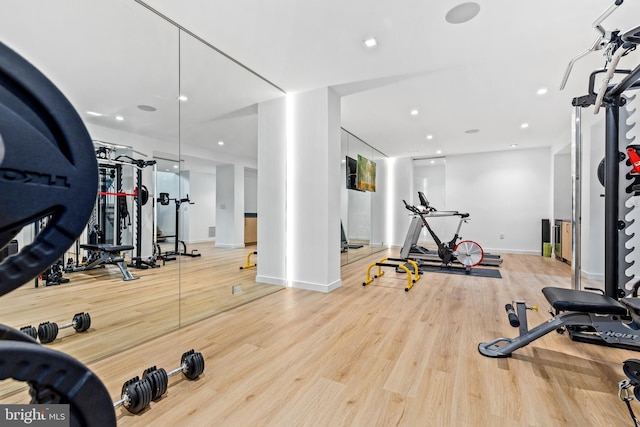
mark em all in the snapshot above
pixel 119 118
pixel 524 125
pixel 429 136
pixel 433 161
pixel 439 152
pixel 220 142
pixel 372 42
pixel 462 13
pixel 472 131
pixel 175 166
pixel 414 112
pixel 182 98
pixel 93 113
pixel 513 145
pixel 146 108
pixel 542 91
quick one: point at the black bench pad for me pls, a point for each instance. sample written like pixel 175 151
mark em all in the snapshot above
pixel 582 301
pixel 632 303
pixel 103 247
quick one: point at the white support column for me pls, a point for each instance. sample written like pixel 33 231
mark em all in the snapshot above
pixel 229 206
pixel 313 190
pixel 272 192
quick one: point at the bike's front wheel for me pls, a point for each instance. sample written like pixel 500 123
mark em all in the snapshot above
pixel 469 253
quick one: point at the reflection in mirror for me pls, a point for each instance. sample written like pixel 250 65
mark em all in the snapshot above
pixel 117 63
pixel 167 189
pixel 218 161
pixel 358 197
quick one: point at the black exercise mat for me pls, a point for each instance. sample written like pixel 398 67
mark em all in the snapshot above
pixel 475 271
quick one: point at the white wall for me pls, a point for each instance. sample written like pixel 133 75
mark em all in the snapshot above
pixel 506 193
pixel 395 184
pixel 562 187
pixel 202 214
pixel 229 206
pixel 250 190
pixel 429 176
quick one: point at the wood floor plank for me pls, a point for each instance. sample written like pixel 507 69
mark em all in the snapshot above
pixel 377 356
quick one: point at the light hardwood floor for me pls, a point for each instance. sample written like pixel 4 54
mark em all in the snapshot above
pixel 126 313
pixel 379 356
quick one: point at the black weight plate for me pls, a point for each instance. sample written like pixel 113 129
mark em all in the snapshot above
pixel 68 380
pixel 631 368
pixel 600 172
pixel 47 332
pixel 195 366
pixel 81 322
pixel 144 195
pixel 30 331
pixel 139 393
pixel 47 169
pixel 159 381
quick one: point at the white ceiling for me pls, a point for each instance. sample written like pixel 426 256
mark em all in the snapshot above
pixel 110 56
pixel 483 74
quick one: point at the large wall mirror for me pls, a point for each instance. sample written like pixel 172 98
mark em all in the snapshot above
pixel 358 237
pixel 157 102
pixel 218 157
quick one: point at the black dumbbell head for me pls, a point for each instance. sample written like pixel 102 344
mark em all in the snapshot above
pixel 193 364
pixel 159 381
pixel 30 330
pixel 138 393
pixel 47 332
pixel 81 322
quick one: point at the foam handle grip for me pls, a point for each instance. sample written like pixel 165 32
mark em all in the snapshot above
pixel 513 317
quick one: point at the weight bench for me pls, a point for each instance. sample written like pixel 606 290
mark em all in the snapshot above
pixel 102 254
pixel 587 316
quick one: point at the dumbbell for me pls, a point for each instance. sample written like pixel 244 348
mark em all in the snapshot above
pixel 135 395
pixel 30 330
pixel 47 331
pixel 138 393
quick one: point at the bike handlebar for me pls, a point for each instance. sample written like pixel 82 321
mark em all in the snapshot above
pixel 410 207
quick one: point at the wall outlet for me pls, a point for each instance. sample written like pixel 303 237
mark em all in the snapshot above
pixel 501 235
pixel 236 289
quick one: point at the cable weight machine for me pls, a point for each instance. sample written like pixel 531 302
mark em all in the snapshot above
pixel 180 247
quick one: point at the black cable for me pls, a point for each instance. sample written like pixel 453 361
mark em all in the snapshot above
pixel 633 417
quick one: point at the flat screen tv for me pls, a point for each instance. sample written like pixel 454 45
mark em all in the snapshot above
pixel 351 171
pixel 366 174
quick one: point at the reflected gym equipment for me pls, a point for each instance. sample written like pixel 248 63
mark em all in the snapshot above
pixel 48 331
pixel 164 200
pixel 249 264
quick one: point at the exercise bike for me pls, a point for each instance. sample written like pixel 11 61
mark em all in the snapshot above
pixel 466 252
